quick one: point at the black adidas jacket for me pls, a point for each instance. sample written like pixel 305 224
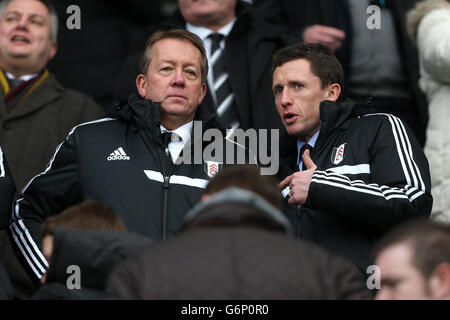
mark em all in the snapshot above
pixel 149 194
pixel 371 174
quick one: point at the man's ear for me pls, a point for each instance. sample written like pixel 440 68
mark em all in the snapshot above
pixel 333 92
pixel 440 281
pixel 53 50
pixel 203 93
pixel 141 83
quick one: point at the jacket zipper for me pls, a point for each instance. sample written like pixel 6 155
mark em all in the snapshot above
pixel 165 205
pixel 166 185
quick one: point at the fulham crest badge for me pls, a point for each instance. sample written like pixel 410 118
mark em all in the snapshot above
pixel 212 167
pixel 338 154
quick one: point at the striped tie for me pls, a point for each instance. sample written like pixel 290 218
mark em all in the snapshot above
pixel 226 114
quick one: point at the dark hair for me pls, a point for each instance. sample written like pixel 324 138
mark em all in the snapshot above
pixel 249 178
pixel 174 34
pixel 324 63
pixel 88 215
pixel 429 243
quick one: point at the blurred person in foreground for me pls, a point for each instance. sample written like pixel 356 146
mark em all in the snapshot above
pixel 90 237
pixel 236 244
pixel 414 262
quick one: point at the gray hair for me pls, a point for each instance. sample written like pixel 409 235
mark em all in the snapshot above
pixel 177 34
pixel 53 16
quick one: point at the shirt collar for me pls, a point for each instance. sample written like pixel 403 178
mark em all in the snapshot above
pixel 311 142
pixel 203 32
pixel 184 132
pixel 22 78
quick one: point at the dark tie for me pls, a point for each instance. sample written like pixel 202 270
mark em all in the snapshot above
pixel 226 113
pixel 15 82
pixel 166 138
pixel 302 151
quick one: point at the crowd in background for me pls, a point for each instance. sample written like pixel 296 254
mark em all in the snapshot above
pixel 57 212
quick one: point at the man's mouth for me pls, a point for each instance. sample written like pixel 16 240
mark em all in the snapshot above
pixel 289 117
pixel 20 39
pixel 177 96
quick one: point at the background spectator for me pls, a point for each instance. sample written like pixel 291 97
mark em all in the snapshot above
pixel 429 26
pixel 414 262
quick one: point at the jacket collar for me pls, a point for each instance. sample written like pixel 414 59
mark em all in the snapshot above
pixel 145 114
pixel 46 90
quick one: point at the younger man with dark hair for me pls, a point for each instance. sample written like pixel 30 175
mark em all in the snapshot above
pixel 348 175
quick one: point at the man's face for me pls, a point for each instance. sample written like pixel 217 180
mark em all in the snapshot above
pixel 174 79
pixel 400 279
pixel 298 93
pixel 25 36
pixel 207 12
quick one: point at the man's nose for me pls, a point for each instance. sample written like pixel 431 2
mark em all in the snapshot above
pixel 22 22
pixel 285 98
pixel 178 78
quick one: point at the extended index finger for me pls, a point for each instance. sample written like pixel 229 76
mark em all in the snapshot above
pixel 283 184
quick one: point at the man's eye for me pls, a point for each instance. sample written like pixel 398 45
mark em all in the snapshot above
pixel 298 85
pixel 191 73
pixel 37 22
pixel 11 19
pixel 166 69
pixel 277 91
